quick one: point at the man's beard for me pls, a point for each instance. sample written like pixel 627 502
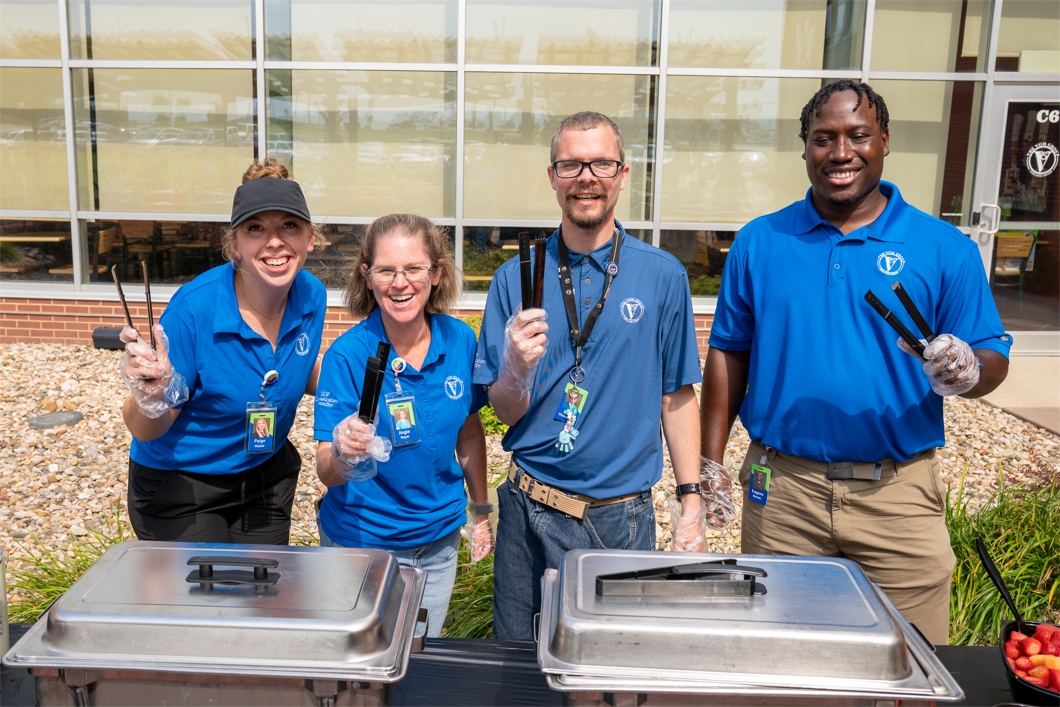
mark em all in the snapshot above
pixel 585 221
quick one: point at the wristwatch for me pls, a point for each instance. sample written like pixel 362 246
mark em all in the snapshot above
pixel 689 488
pixel 483 508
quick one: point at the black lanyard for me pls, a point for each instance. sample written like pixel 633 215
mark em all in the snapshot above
pixel 580 337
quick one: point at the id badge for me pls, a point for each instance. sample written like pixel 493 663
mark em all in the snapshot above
pixel 759 491
pixel 404 425
pixel 261 427
pixel 572 404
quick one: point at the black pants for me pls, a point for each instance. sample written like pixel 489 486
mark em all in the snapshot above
pixel 253 506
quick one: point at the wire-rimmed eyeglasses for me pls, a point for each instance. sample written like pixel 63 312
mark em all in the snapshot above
pixel 603 169
pixel 385 276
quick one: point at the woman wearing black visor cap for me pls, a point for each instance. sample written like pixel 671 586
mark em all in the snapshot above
pixel 235 351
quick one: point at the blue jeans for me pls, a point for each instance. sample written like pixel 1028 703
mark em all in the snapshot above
pixel 439 559
pixel 532 537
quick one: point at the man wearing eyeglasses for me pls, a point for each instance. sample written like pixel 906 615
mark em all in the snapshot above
pixel 584 392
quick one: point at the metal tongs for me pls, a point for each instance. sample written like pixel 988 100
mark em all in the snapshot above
pixel 374 371
pixel 532 287
pixel 714 579
pixel 147 294
pixel 896 324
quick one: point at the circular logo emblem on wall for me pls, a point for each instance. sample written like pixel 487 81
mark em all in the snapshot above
pixel 454 388
pixel 632 310
pixel 890 263
pixel 1042 159
pixel 301 344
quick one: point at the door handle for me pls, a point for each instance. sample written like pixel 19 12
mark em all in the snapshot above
pixel 991 221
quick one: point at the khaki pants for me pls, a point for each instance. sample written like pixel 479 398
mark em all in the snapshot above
pixel 894 528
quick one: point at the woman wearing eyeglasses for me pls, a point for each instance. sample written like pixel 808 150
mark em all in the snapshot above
pixel 411 502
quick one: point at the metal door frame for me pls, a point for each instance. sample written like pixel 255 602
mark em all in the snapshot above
pixel 988 176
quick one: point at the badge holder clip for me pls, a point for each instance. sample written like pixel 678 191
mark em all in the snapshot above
pixel 261 420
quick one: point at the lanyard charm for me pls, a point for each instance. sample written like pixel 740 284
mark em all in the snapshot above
pixel 398 366
pixel 269 379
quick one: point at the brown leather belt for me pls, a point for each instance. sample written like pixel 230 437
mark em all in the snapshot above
pixel 573 504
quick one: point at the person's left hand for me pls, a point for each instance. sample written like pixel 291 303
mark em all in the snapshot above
pixel 689 524
pixel 481 540
pixel 949 364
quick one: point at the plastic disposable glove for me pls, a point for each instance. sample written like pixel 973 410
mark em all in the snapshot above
pixel 949 364
pixel 481 540
pixel 717 492
pixel 689 528
pixel 156 387
pixel 524 345
pixel 355 449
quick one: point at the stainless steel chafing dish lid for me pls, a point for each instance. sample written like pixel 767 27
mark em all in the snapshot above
pixel 298 611
pixel 812 621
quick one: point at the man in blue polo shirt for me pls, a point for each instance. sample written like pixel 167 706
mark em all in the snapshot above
pixel 844 422
pixel 622 338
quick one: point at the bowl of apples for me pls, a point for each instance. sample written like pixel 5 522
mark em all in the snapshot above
pixel 1032 662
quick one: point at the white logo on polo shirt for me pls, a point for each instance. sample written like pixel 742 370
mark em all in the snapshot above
pixel 890 263
pixel 632 310
pixel 454 388
pixel 301 344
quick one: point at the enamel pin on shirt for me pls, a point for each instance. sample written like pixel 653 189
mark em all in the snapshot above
pixel 261 420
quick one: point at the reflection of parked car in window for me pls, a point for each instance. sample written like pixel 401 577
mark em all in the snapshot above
pixel 240 134
pixel 200 137
pixel 372 153
pixel 16 135
pixel 155 136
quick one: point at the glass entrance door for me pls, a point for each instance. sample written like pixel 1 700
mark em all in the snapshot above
pixel 1019 228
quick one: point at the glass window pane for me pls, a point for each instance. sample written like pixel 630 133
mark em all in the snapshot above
pixel 486 248
pixel 578 32
pixel 35 251
pixel 508 126
pixel 191 30
pixel 767 34
pixel 934 132
pixel 175 251
pixel 32 140
pixel 732 147
pixel 163 140
pixel 703 254
pixel 367 143
pixel 361 30
pixel 930 35
pixel 1029 40
pixel 29 29
pixel 332 263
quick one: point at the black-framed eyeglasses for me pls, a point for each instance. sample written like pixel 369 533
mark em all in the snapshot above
pixel 569 169
pixel 385 276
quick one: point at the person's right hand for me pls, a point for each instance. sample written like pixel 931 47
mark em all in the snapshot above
pixel 156 387
pixel 717 492
pixel 351 436
pixel 524 340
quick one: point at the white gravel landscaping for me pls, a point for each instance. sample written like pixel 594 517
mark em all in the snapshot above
pixel 59 483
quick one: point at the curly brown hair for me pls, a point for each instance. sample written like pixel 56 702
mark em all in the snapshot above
pixel 360 302
pixel 271 168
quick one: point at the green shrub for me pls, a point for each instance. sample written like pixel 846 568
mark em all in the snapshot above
pixel 471 606
pixel 491 422
pixel 1020 529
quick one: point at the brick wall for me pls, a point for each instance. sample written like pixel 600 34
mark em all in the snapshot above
pixel 64 321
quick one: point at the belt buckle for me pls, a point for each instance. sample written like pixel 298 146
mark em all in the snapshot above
pixel 838 471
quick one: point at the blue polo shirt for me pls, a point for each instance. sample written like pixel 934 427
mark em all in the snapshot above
pixel 224 361
pixel 418 495
pixel 827 381
pixel 643 345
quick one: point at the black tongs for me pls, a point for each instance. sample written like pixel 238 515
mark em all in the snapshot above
pixel 532 287
pixel 896 324
pixel 147 294
pixel 374 371
pixel 694 580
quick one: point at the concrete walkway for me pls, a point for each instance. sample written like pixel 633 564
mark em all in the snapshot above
pixel 1032 391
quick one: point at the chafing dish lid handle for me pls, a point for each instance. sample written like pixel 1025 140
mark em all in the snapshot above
pixel 206 573
pixel 696 570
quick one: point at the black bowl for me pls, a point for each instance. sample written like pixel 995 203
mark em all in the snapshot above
pixel 1023 691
